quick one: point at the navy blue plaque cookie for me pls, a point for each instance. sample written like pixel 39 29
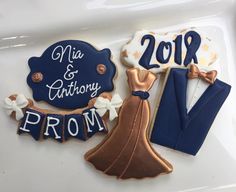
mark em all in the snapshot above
pixel 70 73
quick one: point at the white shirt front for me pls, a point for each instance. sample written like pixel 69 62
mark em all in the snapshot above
pixel 195 88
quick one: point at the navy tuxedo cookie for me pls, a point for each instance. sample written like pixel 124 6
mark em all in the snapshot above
pixel 178 129
pixel 70 73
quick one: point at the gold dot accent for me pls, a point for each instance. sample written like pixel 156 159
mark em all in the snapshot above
pixel 202 61
pixel 37 77
pixel 213 56
pixel 101 69
pixel 205 47
pixel 137 54
pixel 124 53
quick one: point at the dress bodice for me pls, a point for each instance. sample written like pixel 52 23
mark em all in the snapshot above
pixel 138 83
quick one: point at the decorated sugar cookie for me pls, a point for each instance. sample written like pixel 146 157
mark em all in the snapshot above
pixel 156 52
pixel 126 152
pixel 81 123
pixel 189 104
pixel 69 73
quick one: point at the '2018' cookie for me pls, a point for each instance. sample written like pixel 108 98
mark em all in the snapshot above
pixel 156 52
pixel 70 73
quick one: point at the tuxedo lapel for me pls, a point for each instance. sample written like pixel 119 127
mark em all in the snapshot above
pixel 208 95
pixel 180 84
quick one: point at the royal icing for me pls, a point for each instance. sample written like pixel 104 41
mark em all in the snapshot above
pixel 69 73
pixel 53 127
pixel 15 105
pixel 81 123
pixel 196 88
pixel 74 127
pixel 32 123
pixel 155 51
pixel 103 105
pixel 61 127
pixel 182 122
